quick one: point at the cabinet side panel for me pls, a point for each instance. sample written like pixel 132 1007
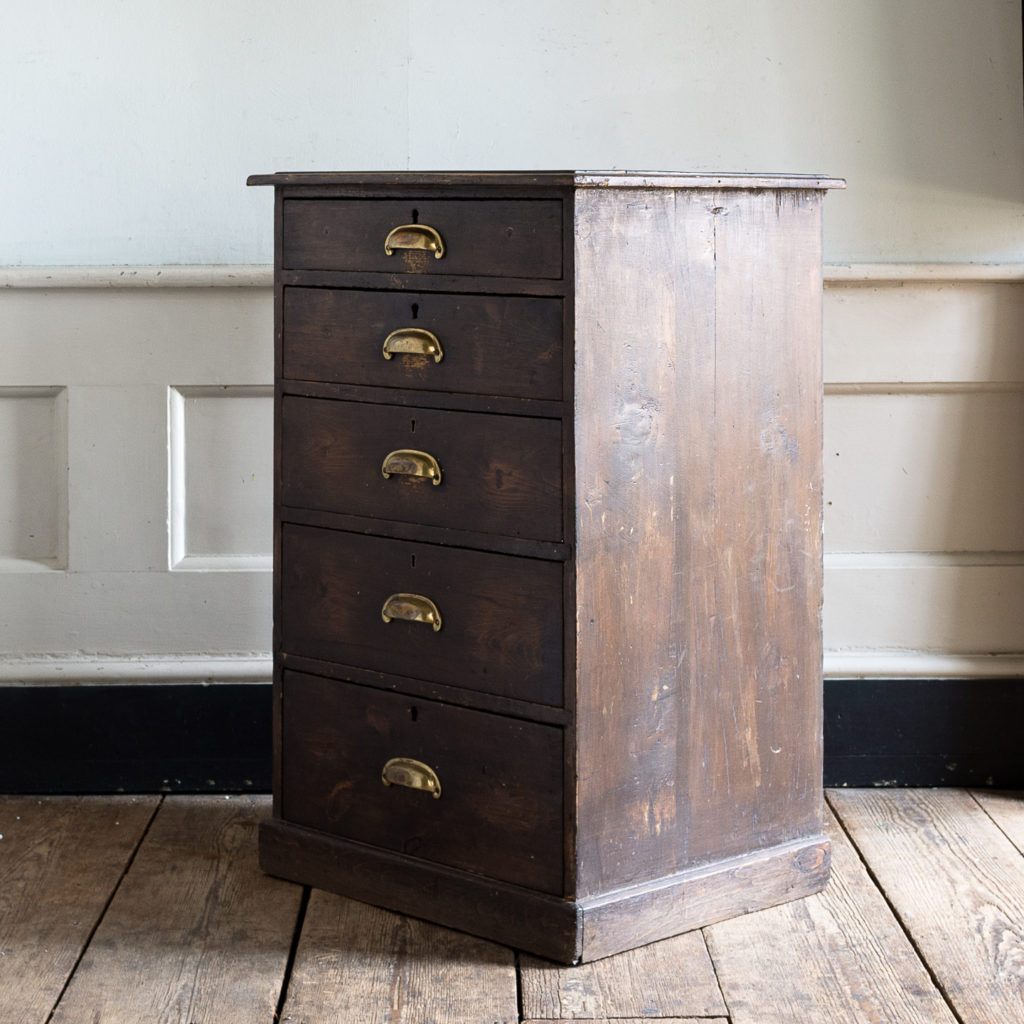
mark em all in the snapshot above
pixel 644 418
pixel 698 528
pixel 764 741
pixel 276 628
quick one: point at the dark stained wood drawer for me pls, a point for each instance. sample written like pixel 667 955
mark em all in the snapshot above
pixel 499 812
pixel 489 238
pixel 485 344
pixel 500 616
pixel 498 474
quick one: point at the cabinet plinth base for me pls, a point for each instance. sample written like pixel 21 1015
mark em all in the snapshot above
pixel 567 931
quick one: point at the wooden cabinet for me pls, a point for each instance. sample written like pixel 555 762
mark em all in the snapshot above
pixel 548 549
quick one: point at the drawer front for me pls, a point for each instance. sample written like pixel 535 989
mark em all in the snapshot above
pixel 500 617
pixel 499 812
pixel 498 474
pixel 520 238
pixel 472 344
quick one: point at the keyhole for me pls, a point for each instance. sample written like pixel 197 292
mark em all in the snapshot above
pixel 415 310
pixel 415 216
pixel 413 714
pixel 412 426
pixel 412 561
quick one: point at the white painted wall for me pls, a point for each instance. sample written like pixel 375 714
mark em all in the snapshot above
pixel 129 126
pixel 134 478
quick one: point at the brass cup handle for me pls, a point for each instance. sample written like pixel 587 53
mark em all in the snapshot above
pixel 413 341
pixel 404 771
pixel 412 608
pixel 407 462
pixel 414 236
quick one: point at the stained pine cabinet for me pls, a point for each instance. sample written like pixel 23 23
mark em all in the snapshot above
pixel 548 549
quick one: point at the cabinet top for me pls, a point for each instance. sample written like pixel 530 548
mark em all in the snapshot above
pixel 576 179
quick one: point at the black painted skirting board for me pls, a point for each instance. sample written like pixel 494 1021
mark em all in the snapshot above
pixel 135 739
pixel 924 732
pixel 189 739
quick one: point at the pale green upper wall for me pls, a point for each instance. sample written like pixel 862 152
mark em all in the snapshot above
pixel 129 126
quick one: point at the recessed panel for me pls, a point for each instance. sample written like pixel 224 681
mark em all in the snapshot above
pixel 924 472
pixel 923 331
pixel 33 477
pixel 902 606
pixel 221 477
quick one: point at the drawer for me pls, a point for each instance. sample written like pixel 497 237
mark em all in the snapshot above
pixel 519 238
pixel 500 616
pixel 498 474
pixel 472 344
pixel 499 812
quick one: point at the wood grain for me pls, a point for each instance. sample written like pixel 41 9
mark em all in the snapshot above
pixel 501 624
pixel 644 417
pixel 683 632
pixel 359 963
pixel 703 895
pixel 1006 809
pixel 518 917
pixel 499 474
pixel 358 182
pixel 673 978
pixel 489 238
pixel 195 933
pixel 957 883
pixel 639 1020
pixel 499 813
pixel 838 956
pixel 698 511
pixel 491 344
pixel 60 861
pixel 757 720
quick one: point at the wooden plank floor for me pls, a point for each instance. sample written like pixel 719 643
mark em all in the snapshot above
pixel 145 910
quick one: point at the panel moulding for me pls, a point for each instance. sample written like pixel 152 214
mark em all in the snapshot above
pixel 75 670
pixel 194 276
pixel 895 388
pixel 921 665
pixel 182 513
pixel 258 275
pixel 34 508
pixel 867 376
pixel 854 273
pixel 922 559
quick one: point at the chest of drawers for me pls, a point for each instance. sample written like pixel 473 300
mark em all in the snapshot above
pixel 547 549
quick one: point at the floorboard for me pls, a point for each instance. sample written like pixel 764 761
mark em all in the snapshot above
pixel 957 883
pixel 121 910
pixel 669 979
pixel 60 861
pixel 195 934
pixel 361 964
pixel 839 956
pixel 1006 809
